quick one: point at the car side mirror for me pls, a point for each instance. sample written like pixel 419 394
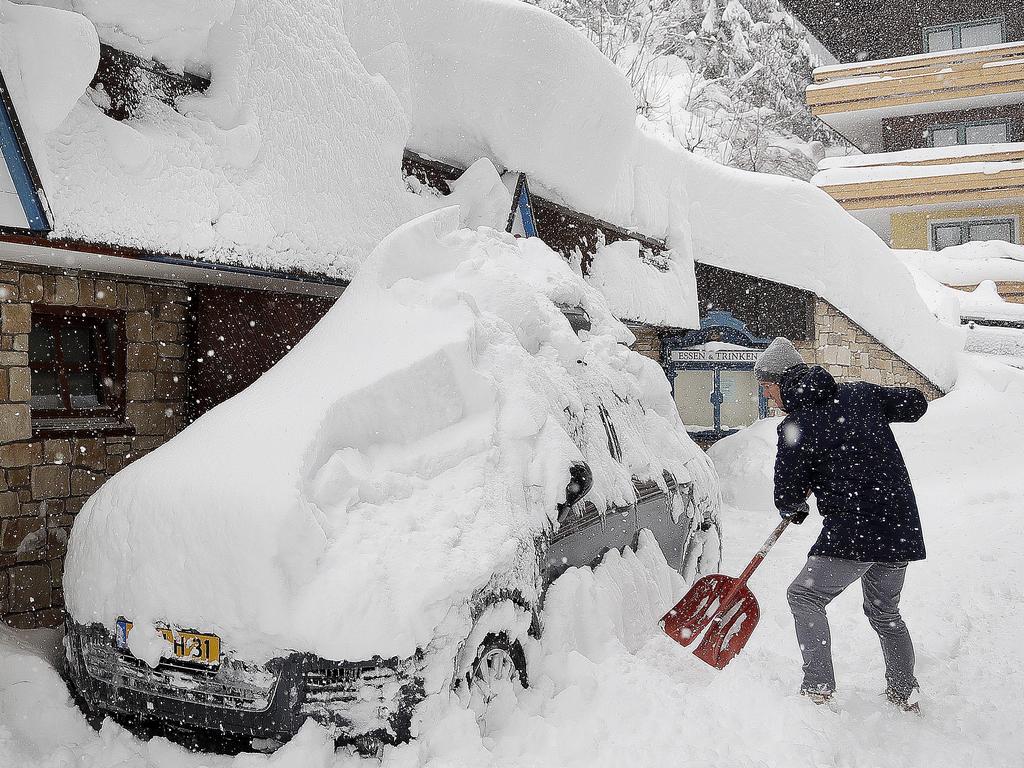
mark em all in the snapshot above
pixel 581 480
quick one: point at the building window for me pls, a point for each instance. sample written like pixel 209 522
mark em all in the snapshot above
pixel 978 132
pixel 966 34
pixel 77 373
pixel 947 233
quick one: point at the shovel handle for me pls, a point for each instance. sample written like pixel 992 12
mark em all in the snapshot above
pixel 752 565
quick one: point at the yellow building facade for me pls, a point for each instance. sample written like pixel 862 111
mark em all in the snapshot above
pixel 942 137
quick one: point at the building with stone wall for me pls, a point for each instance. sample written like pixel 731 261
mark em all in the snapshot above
pixel 850 353
pixel 711 368
pixel 136 359
pixel 49 467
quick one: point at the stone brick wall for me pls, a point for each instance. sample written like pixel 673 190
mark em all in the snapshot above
pixel 648 340
pixel 1008 290
pixel 45 480
pixel 850 353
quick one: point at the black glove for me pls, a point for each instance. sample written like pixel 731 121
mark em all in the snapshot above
pixel 796 514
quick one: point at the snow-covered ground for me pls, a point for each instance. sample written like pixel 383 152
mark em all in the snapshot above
pixel 608 689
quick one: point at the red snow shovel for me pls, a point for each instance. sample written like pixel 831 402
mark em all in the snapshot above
pixel 726 604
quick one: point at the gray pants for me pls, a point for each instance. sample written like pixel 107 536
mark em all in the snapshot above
pixel 821 581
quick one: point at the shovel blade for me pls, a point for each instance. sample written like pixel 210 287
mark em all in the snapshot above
pixel 698 607
pixel 729 631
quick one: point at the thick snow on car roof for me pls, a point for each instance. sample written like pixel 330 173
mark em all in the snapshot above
pixel 409 449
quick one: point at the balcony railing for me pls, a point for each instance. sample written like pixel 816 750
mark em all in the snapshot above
pixel 921 79
pixel 969 179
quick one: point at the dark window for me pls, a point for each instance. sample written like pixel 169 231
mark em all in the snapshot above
pixel 77 370
pixel 979 132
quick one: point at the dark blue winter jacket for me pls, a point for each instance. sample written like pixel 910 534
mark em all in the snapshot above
pixel 835 442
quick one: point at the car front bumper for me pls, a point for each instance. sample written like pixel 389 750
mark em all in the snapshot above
pixel 359 702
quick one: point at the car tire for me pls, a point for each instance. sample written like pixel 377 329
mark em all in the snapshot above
pixel 494 680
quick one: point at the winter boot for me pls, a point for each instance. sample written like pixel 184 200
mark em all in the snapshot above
pixel 819 694
pixel 907 702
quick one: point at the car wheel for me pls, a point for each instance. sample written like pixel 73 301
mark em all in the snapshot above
pixel 494 680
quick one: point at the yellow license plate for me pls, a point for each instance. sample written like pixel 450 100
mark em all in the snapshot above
pixel 185 646
pixel 192 646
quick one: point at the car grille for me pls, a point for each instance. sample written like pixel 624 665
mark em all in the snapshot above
pixel 358 697
pixel 349 684
pixel 233 685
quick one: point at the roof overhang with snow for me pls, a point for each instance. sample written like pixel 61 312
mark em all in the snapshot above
pixel 126 262
pixel 873 187
pixel 854 99
pixel 959 153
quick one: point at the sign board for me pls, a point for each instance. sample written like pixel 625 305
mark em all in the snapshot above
pixel 719 356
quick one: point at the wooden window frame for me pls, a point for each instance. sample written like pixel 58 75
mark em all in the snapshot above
pixel 107 363
pixel 966 224
pixel 957 29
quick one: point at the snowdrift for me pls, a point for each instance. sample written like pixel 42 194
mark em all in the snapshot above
pixel 403 455
pixel 605 694
pixel 638 290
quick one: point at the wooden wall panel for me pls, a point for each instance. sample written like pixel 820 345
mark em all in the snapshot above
pixel 247 332
pixel 769 309
pixel 910 132
pixel 883 29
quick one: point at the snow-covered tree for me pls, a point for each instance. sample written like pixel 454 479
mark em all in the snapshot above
pixel 725 78
pixel 629 32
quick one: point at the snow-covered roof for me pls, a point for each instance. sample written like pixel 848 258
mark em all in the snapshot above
pixel 985 302
pixel 289 161
pixel 979 264
pixel 639 179
pixel 293 160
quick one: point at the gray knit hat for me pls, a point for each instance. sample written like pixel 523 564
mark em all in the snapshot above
pixel 778 358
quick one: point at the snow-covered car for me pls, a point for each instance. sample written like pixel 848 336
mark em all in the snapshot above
pixel 378 517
